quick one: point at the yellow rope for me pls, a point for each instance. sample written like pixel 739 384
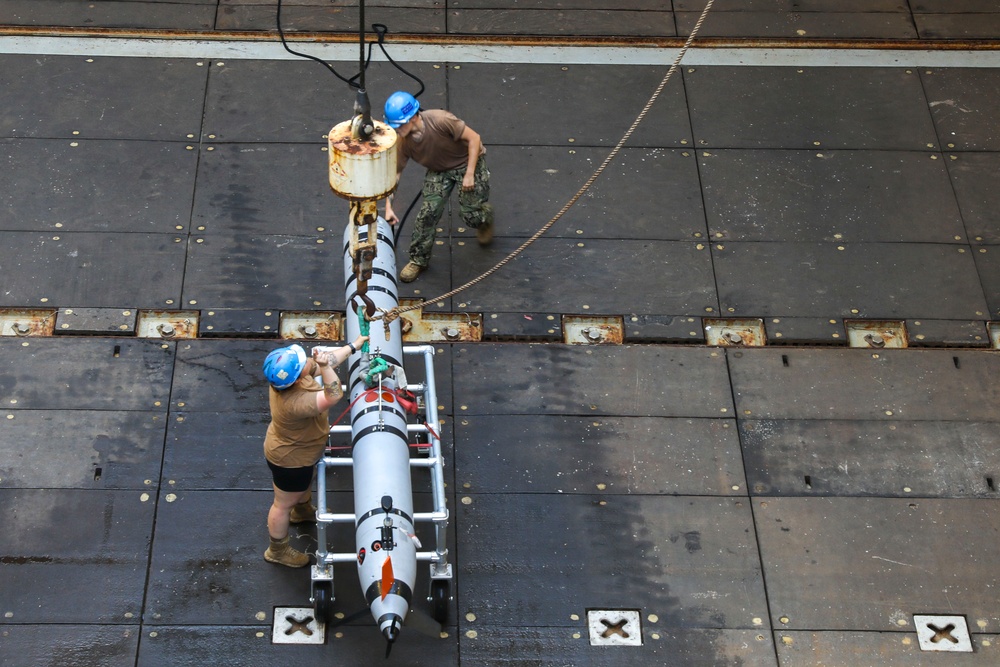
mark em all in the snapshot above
pixel 390 315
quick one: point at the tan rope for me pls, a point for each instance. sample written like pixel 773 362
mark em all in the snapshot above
pixel 390 315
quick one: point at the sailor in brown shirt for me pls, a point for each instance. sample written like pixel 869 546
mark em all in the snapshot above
pixel 297 436
pixel 453 154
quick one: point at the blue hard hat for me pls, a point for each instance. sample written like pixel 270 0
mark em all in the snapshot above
pixel 283 366
pixel 400 108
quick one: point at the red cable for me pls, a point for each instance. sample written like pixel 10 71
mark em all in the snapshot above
pixel 402 401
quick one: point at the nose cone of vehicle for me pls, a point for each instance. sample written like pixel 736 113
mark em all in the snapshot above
pixel 390 625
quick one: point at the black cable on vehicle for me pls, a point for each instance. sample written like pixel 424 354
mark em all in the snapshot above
pixel 402 221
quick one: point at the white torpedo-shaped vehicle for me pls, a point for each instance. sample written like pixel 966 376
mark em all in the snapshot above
pixel 393 425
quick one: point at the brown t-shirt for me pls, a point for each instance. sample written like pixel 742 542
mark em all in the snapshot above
pixel 441 148
pixel 297 434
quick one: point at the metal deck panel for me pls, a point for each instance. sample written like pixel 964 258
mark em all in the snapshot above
pixel 820 108
pixel 964 106
pixel 953 6
pixel 266 188
pixel 912 459
pixel 227 322
pixel 95 186
pixel 861 280
pixel 84 374
pixel 875 649
pixel 74 556
pixel 207 564
pixel 957 26
pixel 527 561
pixel 182 15
pixel 95 269
pixel 678 384
pixel 497 99
pixel 216 450
pixel 800 25
pixel 266 272
pixel 988 262
pixel 617 455
pixel 342 5
pixel 102 450
pixel 534 182
pixel 220 376
pixel 592 277
pixel 947 333
pixel 557 5
pixel 818 195
pixel 223 579
pixel 888 385
pixel 799 6
pixel 70 645
pixel 870 564
pixel 976 179
pixel 224 450
pixel 250 646
pixel 248 100
pixel 819 18
pixel 631 380
pixel 314 17
pixel 677 647
pixel 101 98
pixel 586 22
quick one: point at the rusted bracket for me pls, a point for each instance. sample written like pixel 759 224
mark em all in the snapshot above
pixel 593 330
pixel 167 324
pixel 364 214
pixel 876 334
pixel 735 332
pixel 27 322
pixel 312 325
pixel 420 327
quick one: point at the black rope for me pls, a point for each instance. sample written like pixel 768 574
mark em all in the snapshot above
pixel 322 62
pixel 402 221
pixel 380 29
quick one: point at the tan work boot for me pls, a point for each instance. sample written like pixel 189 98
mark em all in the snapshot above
pixel 410 272
pixel 303 513
pixel 281 553
pixel 484 234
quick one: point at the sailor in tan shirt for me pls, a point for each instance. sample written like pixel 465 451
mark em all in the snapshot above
pixel 297 436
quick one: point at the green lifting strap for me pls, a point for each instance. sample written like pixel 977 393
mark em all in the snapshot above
pixel 364 326
pixel 378 365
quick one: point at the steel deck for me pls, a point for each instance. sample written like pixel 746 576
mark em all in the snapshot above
pixel 788 505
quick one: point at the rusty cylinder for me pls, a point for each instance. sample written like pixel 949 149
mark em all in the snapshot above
pixel 362 169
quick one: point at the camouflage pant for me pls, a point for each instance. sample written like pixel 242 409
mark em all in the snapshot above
pixel 437 189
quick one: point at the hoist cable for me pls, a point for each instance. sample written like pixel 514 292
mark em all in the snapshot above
pixel 380 29
pixel 281 33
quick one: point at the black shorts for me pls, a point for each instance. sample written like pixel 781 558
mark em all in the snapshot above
pixel 292 480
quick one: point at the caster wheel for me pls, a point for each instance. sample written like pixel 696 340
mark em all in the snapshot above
pixel 440 594
pixel 323 601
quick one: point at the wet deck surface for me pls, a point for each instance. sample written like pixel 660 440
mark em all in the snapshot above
pixel 789 505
